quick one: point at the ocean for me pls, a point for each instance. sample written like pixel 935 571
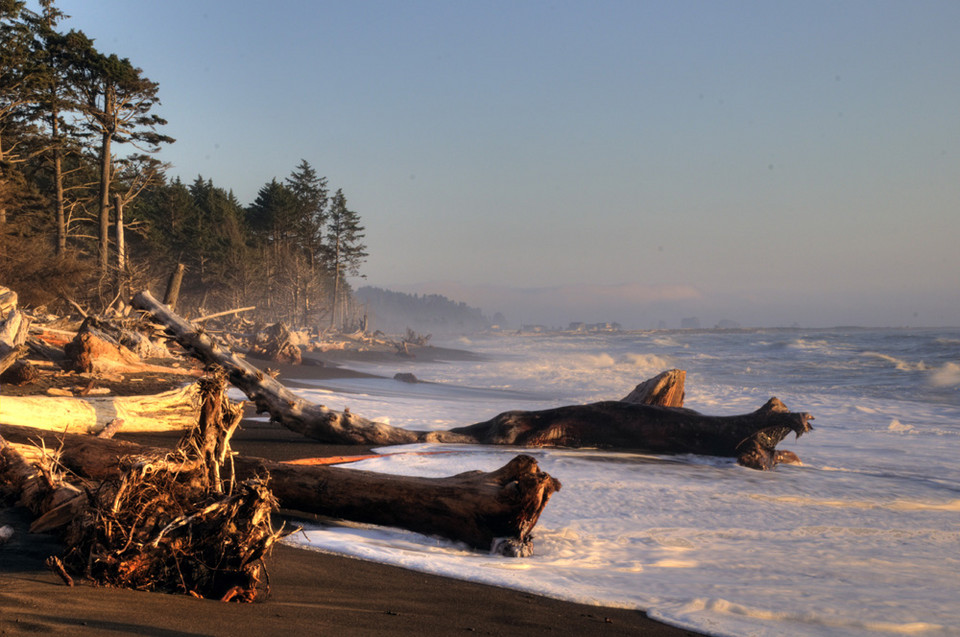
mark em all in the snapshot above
pixel 862 539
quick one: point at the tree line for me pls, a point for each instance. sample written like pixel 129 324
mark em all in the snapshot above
pixel 87 210
pixel 393 312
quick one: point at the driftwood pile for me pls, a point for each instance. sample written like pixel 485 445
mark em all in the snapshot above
pixel 197 520
pixel 633 424
pixel 158 521
pixel 276 343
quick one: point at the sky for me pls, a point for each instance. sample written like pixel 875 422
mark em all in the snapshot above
pixel 768 163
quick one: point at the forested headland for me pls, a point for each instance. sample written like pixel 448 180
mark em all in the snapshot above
pixel 393 312
pixel 88 212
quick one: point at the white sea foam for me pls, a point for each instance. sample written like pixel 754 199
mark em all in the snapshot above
pixel 902 365
pixel 861 540
pixel 946 376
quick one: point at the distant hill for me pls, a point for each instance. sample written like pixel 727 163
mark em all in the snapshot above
pixel 393 312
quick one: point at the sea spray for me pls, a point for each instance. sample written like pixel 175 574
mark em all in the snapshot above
pixel 860 540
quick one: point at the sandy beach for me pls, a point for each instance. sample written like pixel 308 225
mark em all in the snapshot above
pixel 311 592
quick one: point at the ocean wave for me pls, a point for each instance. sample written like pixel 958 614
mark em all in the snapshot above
pixel 899 363
pixel 946 376
pixel 648 361
pixel 898 427
pixel 898 504
pixel 811 620
pixel 668 341
pixel 805 344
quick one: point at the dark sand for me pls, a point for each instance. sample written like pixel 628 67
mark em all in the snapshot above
pixel 312 593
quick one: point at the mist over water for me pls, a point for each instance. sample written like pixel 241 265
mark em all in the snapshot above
pixel 860 540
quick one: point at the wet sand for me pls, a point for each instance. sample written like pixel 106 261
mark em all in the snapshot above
pixel 311 592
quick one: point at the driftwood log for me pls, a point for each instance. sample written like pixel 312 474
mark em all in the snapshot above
pixel 14 326
pixel 162 521
pixel 275 343
pixel 751 438
pixel 175 409
pixel 494 510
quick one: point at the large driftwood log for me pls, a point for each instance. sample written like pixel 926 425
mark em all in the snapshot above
pixel 160 521
pixel 494 510
pixel 751 438
pixel 175 409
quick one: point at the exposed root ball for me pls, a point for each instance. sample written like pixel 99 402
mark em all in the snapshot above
pixel 152 532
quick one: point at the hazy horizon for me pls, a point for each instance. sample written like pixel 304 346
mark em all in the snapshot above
pixel 641 307
pixel 764 163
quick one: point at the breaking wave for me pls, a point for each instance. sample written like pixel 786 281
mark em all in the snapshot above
pixel 899 363
pixel 946 376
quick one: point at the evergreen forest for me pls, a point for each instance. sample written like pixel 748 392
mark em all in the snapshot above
pixel 88 213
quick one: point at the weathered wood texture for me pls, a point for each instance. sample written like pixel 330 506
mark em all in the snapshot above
pixel 160 521
pixel 666 389
pixel 268 395
pixel 751 438
pixel 172 410
pixel 487 510
pixel 14 327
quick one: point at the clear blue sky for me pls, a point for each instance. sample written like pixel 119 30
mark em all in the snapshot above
pixel 765 162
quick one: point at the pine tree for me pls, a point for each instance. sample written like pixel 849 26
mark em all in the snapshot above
pixel 116 102
pixel 311 194
pixel 16 79
pixel 344 248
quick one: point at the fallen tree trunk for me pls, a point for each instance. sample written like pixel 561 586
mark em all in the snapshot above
pixel 172 410
pixel 268 395
pixel 160 521
pixel 95 349
pixel 751 438
pixel 494 510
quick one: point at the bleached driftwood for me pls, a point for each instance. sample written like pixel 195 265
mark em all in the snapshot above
pixel 207 317
pixel 171 410
pixel 14 327
pixel 160 521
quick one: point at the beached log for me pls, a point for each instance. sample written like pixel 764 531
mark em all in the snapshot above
pixel 275 343
pixel 751 438
pixel 494 510
pixel 8 301
pixel 171 410
pixel 28 471
pixel 666 389
pixel 93 350
pixel 9 357
pixel 160 521
pixel 14 326
pixel 207 317
pixel 615 425
pixel 102 348
pixel 20 372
